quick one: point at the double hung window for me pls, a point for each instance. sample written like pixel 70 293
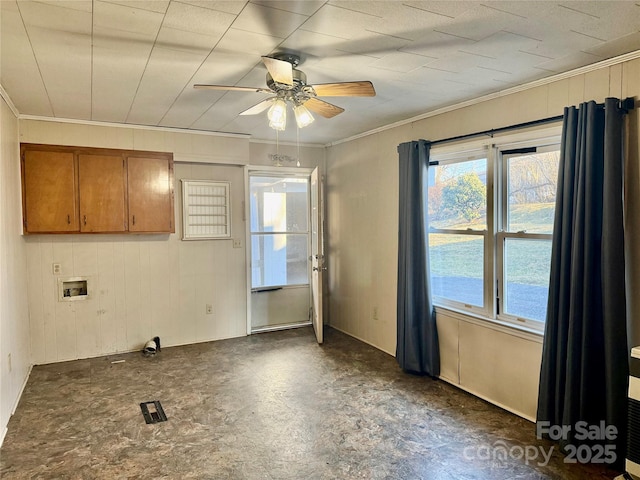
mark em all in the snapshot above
pixel 491 213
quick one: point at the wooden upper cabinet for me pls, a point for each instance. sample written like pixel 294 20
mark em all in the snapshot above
pixel 150 194
pixel 102 185
pixel 49 191
pixel 91 190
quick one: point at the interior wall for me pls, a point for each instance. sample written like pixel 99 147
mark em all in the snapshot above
pixel 144 285
pixel 363 224
pixel 15 359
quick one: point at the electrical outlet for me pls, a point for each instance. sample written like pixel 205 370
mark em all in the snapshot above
pixel 237 243
pixel 374 313
pixel 209 309
pixel 57 269
pixel 9 362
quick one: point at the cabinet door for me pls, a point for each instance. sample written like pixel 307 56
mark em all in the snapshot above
pixel 50 193
pixel 102 187
pixel 150 182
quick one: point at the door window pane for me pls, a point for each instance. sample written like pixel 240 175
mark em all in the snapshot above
pixel 279 259
pixel 526 277
pixel 279 204
pixel 457 267
pixel 531 192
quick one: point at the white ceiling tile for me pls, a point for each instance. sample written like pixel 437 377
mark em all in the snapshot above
pixel 438 44
pixel 574 60
pixel 342 23
pixel 66 71
pixel 478 22
pixel 247 42
pixel 56 17
pixel 619 46
pixel 126 19
pixel 189 18
pixel 19 72
pixel 445 8
pixel 83 5
pixel 311 44
pixel 308 7
pixel 159 6
pixel 397 18
pixel 189 107
pixel 167 74
pixel 231 6
pixel 268 21
pixel 118 65
pixel 226 68
pixel 401 62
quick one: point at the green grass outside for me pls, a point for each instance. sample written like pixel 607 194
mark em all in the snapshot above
pixel 527 260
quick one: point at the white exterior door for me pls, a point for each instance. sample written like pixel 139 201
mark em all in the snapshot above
pixel 317 253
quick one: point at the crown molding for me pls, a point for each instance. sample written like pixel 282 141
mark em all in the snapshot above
pixel 7 99
pixel 132 126
pixel 501 93
pixel 287 144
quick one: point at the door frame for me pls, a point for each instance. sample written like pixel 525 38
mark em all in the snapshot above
pixel 269 170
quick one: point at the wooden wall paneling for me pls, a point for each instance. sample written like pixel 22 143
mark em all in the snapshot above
pixel 135 334
pixel 120 293
pixel 106 296
pixel 36 304
pixel 48 294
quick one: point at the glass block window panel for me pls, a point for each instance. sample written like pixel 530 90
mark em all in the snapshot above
pixel 205 210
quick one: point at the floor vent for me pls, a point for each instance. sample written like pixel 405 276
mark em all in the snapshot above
pixel 153 412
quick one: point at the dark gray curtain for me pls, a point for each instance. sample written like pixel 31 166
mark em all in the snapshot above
pixel 584 373
pixel 417 341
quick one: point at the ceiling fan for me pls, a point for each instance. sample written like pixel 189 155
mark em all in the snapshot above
pixel 289 85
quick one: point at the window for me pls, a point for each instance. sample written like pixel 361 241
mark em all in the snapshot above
pixel 491 213
pixel 458 228
pixel 525 227
pixel 279 231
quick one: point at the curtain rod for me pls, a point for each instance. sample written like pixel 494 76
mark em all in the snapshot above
pixel 626 105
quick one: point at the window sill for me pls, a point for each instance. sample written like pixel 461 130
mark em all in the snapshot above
pixel 492 323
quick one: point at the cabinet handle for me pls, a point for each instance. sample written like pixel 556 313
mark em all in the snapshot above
pixel 134 219
pixel 85 219
pixel 69 219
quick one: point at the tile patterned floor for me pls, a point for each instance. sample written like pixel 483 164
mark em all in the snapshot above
pixel 270 406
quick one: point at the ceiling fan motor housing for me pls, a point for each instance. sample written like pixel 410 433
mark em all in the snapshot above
pixel 298 93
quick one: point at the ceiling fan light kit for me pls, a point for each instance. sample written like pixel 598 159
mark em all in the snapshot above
pixel 277 114
pixel 290 87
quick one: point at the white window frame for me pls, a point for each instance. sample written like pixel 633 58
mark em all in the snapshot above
pixel 496 209
pixel 449 158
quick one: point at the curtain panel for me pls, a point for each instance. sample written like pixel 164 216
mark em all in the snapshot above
pixel 584 372
pixel 417 349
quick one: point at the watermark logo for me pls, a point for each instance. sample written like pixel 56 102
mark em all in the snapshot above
pixel 593 444
pixel 499 453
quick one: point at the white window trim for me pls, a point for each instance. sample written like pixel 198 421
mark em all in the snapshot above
pixel 187 228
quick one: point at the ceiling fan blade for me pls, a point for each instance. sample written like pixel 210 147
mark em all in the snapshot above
pixel 325 109
pixel 259 107
pixel 232 88
pixel 280 71
pixel 345 89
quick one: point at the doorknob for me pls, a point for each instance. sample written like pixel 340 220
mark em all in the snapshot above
pixel 316 269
